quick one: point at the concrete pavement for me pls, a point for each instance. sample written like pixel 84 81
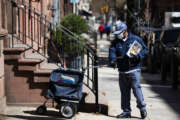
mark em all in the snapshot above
pixel 162 102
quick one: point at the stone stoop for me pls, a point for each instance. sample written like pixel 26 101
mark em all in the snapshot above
pixel 13 53
pixel 27 78
pixel 22 75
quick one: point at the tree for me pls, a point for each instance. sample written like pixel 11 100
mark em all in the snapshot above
pixel 70 43
pixel 75 24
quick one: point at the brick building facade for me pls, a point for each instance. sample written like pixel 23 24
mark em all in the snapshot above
pixel 3 34
pixel 8 75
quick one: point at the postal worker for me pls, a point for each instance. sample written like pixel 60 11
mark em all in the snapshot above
pixel 128 59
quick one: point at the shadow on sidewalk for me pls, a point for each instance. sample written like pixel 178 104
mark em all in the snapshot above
pixel 164 91
pixel 53 115
pixel 153 79
pixel 91 107
pixel 132 117
pixel 170 96
pixel 48 116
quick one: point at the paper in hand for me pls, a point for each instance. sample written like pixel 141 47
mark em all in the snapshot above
pixel 134 49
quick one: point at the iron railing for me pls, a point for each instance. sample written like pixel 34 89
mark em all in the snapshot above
pixel 32 29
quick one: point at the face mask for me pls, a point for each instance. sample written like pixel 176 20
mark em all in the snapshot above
pixel 121 37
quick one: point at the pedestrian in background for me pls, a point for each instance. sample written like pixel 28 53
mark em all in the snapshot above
pixel 129 69
pixel 101 30
pixel 108 31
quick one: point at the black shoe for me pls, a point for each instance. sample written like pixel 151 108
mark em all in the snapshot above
pixel 143 114
pixel 124 115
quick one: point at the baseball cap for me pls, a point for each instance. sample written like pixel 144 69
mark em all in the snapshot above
pixel 119 28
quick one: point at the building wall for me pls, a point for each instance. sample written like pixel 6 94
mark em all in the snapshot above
pixel 84 5
pixel 29 91
pixel 68 7
pixel 61 8
pixel 159 7
pixel 3 34
pixel 2 87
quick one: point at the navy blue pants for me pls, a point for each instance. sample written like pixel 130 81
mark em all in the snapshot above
pixel 126 82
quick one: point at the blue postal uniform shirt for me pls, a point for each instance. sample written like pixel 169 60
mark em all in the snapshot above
pixel 118 50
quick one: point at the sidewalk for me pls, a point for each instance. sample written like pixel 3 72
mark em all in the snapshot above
pixel 162 102
pixel 103 45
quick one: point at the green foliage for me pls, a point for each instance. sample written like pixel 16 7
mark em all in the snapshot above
pixel 72 47
pixel 75 24
pixel 57 35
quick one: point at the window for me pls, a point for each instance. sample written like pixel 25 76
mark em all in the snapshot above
pixel 176 20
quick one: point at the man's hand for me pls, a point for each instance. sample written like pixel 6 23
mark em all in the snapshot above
pixel 134 58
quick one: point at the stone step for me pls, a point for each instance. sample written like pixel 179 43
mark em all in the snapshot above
pixel 42 76
pixel 34 55
pixel 44 65
pixel 48 66
pixel 20 45
pixel 13 53
pixel 28 64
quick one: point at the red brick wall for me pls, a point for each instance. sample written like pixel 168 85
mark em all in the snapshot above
pixel 68 7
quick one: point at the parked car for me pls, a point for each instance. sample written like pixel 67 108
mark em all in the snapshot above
pixel 164 52
pixel 167 48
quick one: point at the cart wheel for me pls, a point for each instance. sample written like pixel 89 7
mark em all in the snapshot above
pixel 41 109
pixel 68 110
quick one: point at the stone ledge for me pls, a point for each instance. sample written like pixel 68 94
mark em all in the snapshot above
pixel 28 64
pixel 29 61
pixel 42 76
pixel 13 53
pixel 3 105
pixel 3 32
pixel 42 72
pixel 13 50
